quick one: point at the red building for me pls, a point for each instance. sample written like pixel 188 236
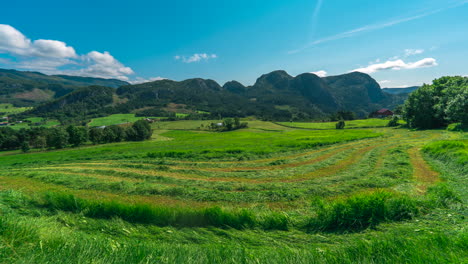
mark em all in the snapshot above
pixel 383 113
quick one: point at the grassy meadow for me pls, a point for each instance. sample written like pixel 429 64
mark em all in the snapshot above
pixel 9 109
pixel 364 123
pixel 270 193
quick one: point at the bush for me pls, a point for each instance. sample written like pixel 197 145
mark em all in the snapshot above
pixel 393 122
pixel 340 125
pixel 456 127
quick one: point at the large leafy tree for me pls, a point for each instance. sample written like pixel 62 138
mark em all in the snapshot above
pixel 436 105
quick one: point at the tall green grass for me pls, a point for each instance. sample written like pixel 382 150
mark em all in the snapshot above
pixel 164 216
pixel 362 211
pixel 454 151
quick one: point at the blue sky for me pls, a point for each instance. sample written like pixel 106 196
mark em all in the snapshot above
pixel 399 43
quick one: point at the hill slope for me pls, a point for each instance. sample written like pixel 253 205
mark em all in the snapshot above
pixel 274 96
pixel 31 88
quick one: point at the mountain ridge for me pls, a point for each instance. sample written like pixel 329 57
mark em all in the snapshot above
pixel 275 95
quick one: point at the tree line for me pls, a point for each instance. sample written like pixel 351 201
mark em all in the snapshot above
pixel 71 136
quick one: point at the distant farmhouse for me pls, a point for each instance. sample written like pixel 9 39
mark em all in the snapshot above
pixel 382 113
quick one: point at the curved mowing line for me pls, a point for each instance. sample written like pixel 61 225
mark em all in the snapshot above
pixel 33 186
pixel 108 178
pixel 322 172
pixel 421 170
pixel 354 156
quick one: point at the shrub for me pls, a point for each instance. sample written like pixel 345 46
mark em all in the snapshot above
pixel 393 122
pixel 340 125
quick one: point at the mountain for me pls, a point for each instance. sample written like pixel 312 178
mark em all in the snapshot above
pixel 407 90
pixel 274 96
pixel 31 88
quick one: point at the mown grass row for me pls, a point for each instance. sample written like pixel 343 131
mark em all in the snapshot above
pixel 353 213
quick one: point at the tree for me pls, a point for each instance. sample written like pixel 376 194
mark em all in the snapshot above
pixel 77 135
pixel 142 130
pixel 228 124
pixel 96 135
pixel 57 137
pixel 457 109
pixel 25 147
pixel 393 122
pixel 433 106
pixel 340 125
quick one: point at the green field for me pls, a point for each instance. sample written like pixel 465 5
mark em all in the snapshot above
pixel 365 123
pixel 266 194
pixel 9 109
pixel 35 120
pixel 114 120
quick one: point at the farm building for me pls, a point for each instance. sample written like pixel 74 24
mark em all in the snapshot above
pixel 382 113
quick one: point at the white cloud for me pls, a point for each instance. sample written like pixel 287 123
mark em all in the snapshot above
pixel 411 52
pixel 197 57
pixel 56 57
pixel 139 80
pixel 397 65
pixel 14 42
pixel 320 73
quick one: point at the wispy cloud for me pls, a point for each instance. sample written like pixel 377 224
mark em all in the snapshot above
pixel 197 57
pixel 397 65
pixel 377 26
pixel 315 18
pixel 411 52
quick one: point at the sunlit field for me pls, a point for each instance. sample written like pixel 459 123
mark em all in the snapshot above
pixel 364 123
pixel 266 194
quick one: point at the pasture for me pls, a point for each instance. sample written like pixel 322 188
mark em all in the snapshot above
pixel 114 120
pixel 266 194
pixel 9 109
pixel 364 123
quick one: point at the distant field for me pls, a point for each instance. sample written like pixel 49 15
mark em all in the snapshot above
pixel 196 124
pixel 8 109
pixel 34 120
pixel 364 123
pixel 114 120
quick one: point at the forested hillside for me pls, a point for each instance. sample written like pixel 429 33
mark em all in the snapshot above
pixel 32 88
pixel 274 96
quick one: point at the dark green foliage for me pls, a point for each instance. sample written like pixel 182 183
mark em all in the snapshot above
pixel 141 131
pixel 361 211
pixel 96 135
pixel 433 106
pixel 77 135
pixel 25 147
pixel 343 115
pixel 340 125
pixel 393 122
pixel 228 124
pixel 57 137
pixel 81 103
